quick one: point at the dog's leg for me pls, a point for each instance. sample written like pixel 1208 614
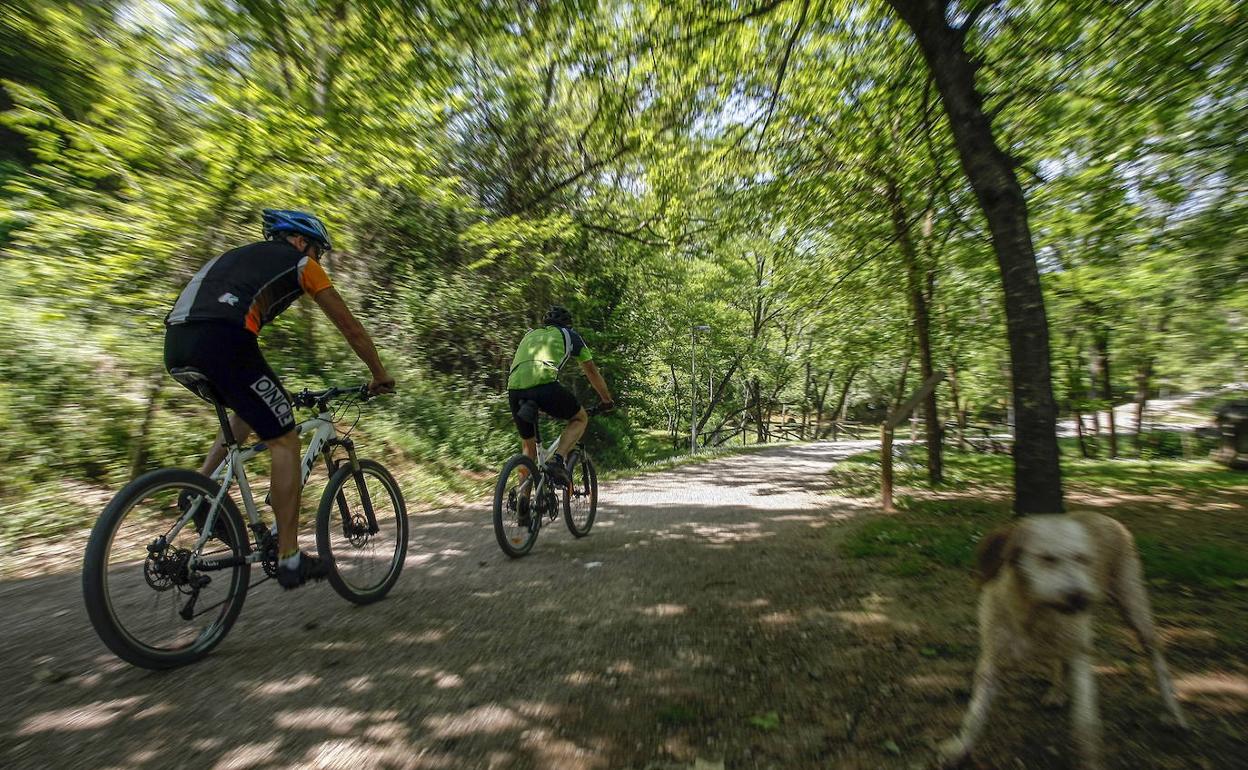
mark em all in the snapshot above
pixel 956 750
pixel 1084 711
pixel 1132 600
pixel 1056 695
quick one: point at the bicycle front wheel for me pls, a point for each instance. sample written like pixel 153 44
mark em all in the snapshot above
pixel 517 518
pixel 580 499
pixel 145 596
pixel 361 529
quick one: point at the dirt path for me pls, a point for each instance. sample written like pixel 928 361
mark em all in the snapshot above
pixel 706 618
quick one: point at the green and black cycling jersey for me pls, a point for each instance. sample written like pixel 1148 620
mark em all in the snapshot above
pixel 542 354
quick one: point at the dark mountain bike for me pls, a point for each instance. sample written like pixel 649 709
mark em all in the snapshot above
pixel 169 561
pixel 525 497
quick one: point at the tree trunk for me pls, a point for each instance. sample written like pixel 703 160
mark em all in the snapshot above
pixel 1083 444
pixel 756 397
pixel 1101 339
pixel 675 406
pixel 959 411
pixel 806 393
pixel 1095 362
pixel 718 395
pixel 820 402
pixel 922 328
pixel 1037 472
pixel 139 454
pixel 1143 381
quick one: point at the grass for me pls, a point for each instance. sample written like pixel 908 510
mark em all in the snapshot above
pixel 859 476
pixel 1177 508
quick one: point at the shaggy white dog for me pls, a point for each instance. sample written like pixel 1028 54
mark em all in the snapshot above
pixel 1041 579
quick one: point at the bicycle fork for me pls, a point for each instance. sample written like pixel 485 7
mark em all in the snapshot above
pixel 349 530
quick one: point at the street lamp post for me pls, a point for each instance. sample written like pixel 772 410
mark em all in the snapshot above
pixel 693 386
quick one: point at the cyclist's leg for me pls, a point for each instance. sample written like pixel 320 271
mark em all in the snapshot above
pixel 211 348
pixel 252 390
pixel 560 403
pixel 572 432
pixel 284 490
pixel 526 429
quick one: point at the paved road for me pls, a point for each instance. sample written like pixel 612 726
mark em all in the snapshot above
pixel 560 659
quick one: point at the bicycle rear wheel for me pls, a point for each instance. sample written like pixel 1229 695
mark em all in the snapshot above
pixel 580 499
pixel 517 514
pixel 366 551
pixel 146 602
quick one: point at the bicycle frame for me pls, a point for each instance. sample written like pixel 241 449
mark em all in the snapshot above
pixel 231 470
pixel 543 455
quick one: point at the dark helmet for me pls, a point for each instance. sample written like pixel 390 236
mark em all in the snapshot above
pixel 281 222
pixel 558 315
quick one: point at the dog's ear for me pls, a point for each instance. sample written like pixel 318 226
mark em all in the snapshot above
pixel 994 551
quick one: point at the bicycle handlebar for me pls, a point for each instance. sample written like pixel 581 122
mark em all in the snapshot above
pixel 598 409
pixel 321 398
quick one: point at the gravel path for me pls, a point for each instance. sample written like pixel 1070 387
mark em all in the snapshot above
pixel 704 600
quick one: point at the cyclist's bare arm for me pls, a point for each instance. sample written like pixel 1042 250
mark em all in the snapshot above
pixel 336 309
pixel 595 378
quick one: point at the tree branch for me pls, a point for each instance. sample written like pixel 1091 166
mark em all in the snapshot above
pixel 784 66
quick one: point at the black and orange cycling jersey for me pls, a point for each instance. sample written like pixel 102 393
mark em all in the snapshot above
pixel 249 286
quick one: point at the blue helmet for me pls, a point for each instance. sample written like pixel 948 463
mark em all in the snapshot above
pixel 278 222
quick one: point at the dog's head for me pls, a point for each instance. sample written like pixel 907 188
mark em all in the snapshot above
pixel 1052 558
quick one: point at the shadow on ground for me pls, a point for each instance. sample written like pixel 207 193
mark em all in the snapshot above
pixel 707 616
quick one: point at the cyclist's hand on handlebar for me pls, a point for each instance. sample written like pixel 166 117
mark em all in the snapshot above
pixel 606 406
pixel 382 383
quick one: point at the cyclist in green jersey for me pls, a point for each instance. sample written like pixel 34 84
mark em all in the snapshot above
pixel 534 376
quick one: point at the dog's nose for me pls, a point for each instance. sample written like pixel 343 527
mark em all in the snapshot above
pixel 1077 601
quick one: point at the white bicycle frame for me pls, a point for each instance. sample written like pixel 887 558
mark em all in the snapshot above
pixel 232 470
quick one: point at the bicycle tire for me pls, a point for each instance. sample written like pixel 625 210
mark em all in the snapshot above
pixel 100 609
pixel 334 507
pixel 589 480
pixel 501 511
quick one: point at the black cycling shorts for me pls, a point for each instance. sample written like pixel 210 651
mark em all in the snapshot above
pixel 552 398
pixel 229 356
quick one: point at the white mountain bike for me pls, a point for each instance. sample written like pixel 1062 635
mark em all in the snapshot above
pixel 168 563
pixel 525 495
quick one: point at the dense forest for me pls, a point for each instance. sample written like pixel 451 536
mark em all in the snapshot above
pixel 1045 201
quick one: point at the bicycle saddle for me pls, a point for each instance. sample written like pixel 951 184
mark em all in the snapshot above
pixel 195 381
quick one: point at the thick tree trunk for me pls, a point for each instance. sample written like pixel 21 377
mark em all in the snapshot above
pixel 1037 473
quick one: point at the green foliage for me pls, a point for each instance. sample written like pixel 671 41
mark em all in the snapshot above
pixel 780 175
